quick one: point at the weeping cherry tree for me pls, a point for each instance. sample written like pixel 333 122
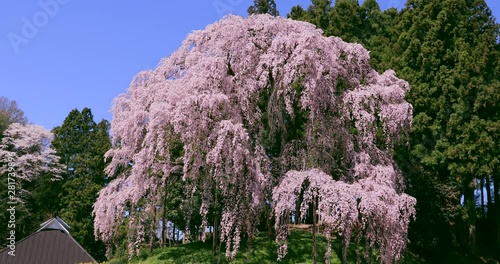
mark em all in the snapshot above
pixel 260 103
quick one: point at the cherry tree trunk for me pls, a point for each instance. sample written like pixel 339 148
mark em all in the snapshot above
pixel 152 234
pixel 314 251
pixel 185 237
pixel 296 220
pixel 164 221
pixel 269 223
pixel 216 227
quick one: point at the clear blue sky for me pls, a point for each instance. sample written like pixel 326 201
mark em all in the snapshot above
pixel 85 53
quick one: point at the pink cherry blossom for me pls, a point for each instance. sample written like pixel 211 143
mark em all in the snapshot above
pixel 206 95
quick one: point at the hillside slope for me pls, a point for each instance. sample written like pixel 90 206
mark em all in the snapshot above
pixel 263 250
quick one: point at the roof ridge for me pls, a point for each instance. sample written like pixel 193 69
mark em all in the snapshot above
pixel 54 223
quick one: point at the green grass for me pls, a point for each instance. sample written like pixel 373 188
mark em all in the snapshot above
pixel 263 250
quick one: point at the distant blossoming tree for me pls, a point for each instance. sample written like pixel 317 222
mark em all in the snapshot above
pixel 257 102
pixel 30 149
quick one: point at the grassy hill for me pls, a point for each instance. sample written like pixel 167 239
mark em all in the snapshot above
pixel 263 250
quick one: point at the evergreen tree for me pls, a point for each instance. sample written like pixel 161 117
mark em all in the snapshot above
pixel 81 144
pixel 263 7
pixel 379 33
pixel 298 13
pixel 448 52
pixel 346 21
pixel 365 24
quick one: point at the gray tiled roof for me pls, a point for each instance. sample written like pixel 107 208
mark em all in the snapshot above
pixel 47 246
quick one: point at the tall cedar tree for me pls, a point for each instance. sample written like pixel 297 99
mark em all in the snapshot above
pixel 448 52
pixel 81 144
pixel 365 24
pixel 263 7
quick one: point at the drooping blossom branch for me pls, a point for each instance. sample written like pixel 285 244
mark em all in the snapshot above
pixel 375 210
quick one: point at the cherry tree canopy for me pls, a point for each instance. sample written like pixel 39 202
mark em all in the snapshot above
pixel 243 84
